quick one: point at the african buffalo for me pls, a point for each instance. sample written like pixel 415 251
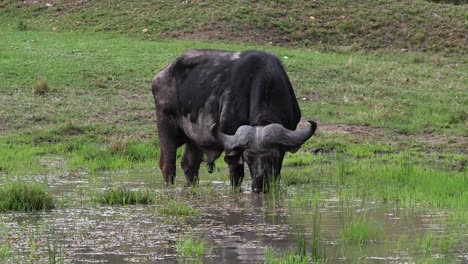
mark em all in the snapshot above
pixel 241 103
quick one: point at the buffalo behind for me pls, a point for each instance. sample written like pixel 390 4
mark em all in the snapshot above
pixel 241 103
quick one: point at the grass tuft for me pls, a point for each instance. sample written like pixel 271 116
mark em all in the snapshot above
pixel 119 144
pixel 41 87
pixel 286 257
pixel 21 26
pixel 178 208
pixel 361 231
pixel 188 247
pixel 22 196
pixel 5 252
pixel 124 196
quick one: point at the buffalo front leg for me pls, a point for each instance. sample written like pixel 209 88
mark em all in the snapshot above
pixel 193 157
pixel 236 170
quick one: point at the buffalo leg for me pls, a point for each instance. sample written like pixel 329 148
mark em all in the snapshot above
pixel 236 170
pixel 167 163
pixel 193 157
pixel 168 144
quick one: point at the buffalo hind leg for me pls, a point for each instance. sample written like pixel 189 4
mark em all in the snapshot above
pixel 168 144
pixel 193 157
pixel 236 170
pixel 167 164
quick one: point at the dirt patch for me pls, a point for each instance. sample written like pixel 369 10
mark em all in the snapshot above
pixel 313 96
pixel 428 141
pixel 348 129
pixel 3 124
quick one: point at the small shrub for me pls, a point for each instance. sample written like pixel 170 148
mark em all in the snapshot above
pixel 123 196
pixel 22 196
pixel 41 87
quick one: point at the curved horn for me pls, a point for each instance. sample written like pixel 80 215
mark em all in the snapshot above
pixel 239 140
pixel 292 140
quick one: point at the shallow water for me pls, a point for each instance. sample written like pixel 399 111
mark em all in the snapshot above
pixel 235 226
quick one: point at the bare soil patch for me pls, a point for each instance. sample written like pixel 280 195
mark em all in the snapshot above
pixel 429 141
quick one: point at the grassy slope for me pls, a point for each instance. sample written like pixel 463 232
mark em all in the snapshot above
pixel 100 112
pixel 369 24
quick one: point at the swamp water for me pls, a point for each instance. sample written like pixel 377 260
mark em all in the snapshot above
pixel 235 227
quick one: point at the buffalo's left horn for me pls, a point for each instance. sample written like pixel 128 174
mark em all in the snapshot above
pixel 239 140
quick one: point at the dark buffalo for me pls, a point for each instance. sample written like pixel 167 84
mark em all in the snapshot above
pixel 241 103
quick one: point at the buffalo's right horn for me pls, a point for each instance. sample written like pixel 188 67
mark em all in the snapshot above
pixel 291 140
pixel 239 140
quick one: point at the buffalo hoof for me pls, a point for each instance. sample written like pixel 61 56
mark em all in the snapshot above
pixel 257 190
pixel 210 167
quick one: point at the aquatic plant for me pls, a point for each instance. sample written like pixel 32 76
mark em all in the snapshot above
pixel 424 243
pixel 188 247
pixel 55 251
pixel 25 196
pixel 124 196
pixel 284 257
pixel 175 207
pixel 362 230
pixel 5 252
pixel 297 177
pixel 274 195
pixel 317 248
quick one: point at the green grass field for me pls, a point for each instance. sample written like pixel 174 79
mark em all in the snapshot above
pixel 99 97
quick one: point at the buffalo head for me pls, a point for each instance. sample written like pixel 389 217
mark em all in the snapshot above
pixel 263 148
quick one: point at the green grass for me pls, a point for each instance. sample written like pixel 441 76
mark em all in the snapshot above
pixel 362 230
pixel 25 196
pixel 124 196
pixel 188 247
pixel 368 24
pixel 113 127
pixel 286 257
pixel 5 252
pixel 401 180
pixel 178 208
